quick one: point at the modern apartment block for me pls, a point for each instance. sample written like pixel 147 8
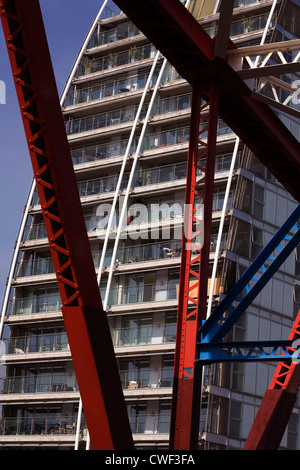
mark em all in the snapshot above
pixel 127 115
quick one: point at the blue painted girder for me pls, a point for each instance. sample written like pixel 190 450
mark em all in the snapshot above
pixel 246 351
pixel 219 323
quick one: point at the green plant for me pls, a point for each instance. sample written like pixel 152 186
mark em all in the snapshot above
pixel 247 24
pixel 112 60
pixel 134 54
pixel 86 66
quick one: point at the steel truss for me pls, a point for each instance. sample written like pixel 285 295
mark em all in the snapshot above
pixel 199 59
pixel 98 379
pixel 195 257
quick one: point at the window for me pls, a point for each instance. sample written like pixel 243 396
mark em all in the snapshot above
pixel 137 416
pixel 164 417
pixel 296 300
pixel 292 432
pixel 136 330
pixel 256 242
pixel 238 371
pixel 235 419
pixel 167 372
pixel 170 327
pixel 258 201
pixel 297 262
pixel 135 373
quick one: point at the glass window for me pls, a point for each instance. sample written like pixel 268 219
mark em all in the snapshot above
pixel 292 432
pixel 137 330
pixel 137 417
pixel 170 327
pixel 258 203
pixel 257 241
pixel 235 419
pixel 135 373
pixel 296 300
pixel 167 372
pixel 164 417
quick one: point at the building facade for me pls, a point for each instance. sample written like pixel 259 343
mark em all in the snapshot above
pixel 127 114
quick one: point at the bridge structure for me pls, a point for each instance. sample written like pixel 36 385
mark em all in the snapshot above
pixel 220 84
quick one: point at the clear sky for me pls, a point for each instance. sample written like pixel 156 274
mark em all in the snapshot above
pixel 67 23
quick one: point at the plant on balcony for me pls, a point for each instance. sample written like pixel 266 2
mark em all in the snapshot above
pixel 134 54
pixel 247 24
pixel 112 61
pixel 86 66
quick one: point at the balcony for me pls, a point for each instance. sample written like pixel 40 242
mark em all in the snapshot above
pixel 43 426
pixel 144 335
pixel 146 378
pixel 111 10
pixel 99 121
pixel 37 343
pixel 37 384
pixel 140 293
pixel 97 153
pixel 119 59
pixel 62 427
pixel 124 31
pixel 116 86
pixel 246 25
pixel 46 303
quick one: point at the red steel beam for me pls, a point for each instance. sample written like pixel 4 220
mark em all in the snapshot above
pixel 198 58
pixel 183 41
pixel 194 267
pixel 277 404
pixel 85 321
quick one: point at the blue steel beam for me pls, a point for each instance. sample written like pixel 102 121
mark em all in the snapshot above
pixel 246 351
pixel 211 330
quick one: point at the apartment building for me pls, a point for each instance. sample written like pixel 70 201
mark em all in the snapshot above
pixel 127 115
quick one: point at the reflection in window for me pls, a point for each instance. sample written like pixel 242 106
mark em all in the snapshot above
pixel 235 419
pixel 256 242
pixel 258 202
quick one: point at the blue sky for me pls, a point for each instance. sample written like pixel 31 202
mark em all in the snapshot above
pixel 66 22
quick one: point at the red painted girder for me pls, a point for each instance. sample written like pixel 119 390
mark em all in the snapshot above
pixel 183 41
pixel 194 269
pixel 86 322
pixel 277 404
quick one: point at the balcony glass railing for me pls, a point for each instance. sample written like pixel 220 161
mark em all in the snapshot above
pixel 134 54
pixel 39 384
pixel 98 121
pixel 150 423
pixel 117 85
pixel 116 34
pixel 245 25
pixel 149 252
pixel 161 250
pixel 172 104
pixel 146 378
pixel 38 425
pixel 61 425
pixel 37 343
pixel 35 267
pixel 142 293
pixel 243 3
pixel 153 212
pixel 110 10
pixel 101 152
pixel 35 304
pixel 143 335
pixel 125 115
